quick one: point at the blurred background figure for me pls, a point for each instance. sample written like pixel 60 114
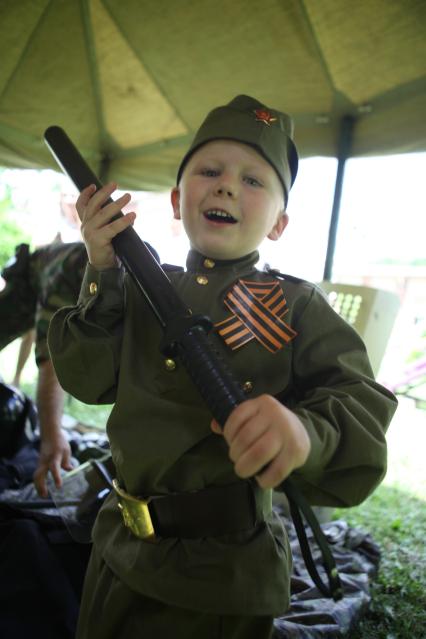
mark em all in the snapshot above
pixel 69 225
pixel 68 231
pixel 38 283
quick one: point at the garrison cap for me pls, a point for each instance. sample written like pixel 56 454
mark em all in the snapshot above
pixel 246 120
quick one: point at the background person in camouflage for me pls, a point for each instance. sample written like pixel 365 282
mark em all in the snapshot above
pixel 60 280
pixel 23 280
pixel 37 285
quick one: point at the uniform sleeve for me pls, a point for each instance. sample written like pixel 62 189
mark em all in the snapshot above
pixel 85 340
pixel 345 412
pixel 57 294
pixel 58 272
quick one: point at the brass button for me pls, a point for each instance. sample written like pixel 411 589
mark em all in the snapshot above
pixel 248 387
pixel 202 279
pixel 93 288
pixel 208 263
pixel 170 364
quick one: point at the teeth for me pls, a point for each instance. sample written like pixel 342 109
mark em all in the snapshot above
pixel 219 213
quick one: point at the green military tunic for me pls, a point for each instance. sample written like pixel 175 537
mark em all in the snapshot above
pixel 106 349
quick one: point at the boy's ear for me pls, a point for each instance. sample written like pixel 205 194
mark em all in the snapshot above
pixel 278 228
pixel 175 198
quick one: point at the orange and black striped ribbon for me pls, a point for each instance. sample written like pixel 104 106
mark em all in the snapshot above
pixel 257 311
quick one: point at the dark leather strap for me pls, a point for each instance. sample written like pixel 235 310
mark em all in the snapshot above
pixel 298 505
pixel 213 511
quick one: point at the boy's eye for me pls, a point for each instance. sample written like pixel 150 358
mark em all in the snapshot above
pixel 252 181
pixel 209 172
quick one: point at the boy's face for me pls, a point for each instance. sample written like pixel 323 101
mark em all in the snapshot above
pixel 229 199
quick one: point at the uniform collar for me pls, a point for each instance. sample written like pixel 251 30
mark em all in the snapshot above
pixel 197 262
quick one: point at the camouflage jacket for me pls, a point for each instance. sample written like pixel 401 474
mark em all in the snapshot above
pixel 37 285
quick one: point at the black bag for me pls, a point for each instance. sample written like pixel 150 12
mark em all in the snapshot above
pixel 18 420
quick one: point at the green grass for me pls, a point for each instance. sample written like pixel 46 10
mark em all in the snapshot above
pixel 88 415
pixel 395 516
pixel 397 521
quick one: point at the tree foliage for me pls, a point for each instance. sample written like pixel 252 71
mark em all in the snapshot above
pixel 11 233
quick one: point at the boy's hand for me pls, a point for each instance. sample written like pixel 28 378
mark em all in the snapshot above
pixel 264 434
pixel 96 226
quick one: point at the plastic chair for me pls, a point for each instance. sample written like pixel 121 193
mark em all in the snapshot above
pixel 371 311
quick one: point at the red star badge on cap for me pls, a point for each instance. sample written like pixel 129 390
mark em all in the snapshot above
pixel 262 115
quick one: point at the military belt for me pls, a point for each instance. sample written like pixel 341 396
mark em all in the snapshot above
pixel 210 512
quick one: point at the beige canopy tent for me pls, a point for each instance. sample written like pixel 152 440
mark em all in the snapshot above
pixel 130 80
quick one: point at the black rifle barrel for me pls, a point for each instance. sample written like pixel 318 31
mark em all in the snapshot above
pixel 131 250
pixel 185 335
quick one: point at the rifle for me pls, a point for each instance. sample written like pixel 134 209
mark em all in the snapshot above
pixel 186 336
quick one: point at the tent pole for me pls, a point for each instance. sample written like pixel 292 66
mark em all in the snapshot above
pixel 345 141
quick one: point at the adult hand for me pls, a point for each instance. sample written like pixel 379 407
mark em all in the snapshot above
pixel 265 439
pixel 55 453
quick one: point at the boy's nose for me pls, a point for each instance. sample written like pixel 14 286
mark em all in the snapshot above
pixel 225 189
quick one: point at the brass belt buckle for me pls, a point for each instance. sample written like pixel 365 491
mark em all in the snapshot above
pixel 135 512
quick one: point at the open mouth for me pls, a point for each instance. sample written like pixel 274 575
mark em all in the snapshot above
pixel 217 215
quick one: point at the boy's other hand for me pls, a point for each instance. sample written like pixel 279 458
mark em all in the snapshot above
pixel 265 439
pixel 97 227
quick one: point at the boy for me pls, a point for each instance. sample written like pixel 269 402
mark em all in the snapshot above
pixel 217 563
